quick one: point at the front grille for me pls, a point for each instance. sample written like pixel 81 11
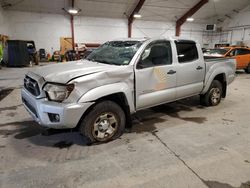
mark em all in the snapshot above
pixel 30 107
pixel 31 85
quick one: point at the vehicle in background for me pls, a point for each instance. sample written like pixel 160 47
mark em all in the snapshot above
pixel 70 55
pixel 99 94
pixel 33 55
pixel 241 54
pixel 42 55
pixel 56 56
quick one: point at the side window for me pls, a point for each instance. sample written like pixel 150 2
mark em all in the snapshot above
pixel 232 53
pixel 243 52
pixel 238 52
pixel 186 51
pixel 156 54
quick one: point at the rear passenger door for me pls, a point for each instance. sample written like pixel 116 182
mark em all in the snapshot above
pixel 190 69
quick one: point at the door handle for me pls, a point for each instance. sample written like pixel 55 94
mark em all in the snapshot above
pixel 199 68
pixel 171 72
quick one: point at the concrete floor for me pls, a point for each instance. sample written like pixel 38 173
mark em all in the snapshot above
pixel 178 145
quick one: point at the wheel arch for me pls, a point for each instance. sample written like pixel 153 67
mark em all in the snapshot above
pixel 221 77
pixel 120 99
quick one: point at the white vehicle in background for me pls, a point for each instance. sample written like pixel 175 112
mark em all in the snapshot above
pixel 98 94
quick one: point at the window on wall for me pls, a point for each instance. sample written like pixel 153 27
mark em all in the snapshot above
pixel 186 51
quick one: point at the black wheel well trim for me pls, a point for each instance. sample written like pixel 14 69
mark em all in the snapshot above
pixel 222 79
pixel 120 99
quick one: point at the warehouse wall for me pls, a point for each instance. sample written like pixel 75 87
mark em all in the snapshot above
pixel 235 30
pixel 239 27
pixel 46 29
pixel 4 27
pixel 154 29
pixel 99 30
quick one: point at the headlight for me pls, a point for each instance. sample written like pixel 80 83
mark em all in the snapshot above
pixel 58 92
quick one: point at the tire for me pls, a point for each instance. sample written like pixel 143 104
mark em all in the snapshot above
pixel 214 94
pixel 247 70
pixel 105 122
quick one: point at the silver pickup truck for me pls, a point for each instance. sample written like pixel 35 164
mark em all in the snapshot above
pixel 98 94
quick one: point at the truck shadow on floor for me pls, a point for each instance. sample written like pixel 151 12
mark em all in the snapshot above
pixel 5 92
pixel 143 121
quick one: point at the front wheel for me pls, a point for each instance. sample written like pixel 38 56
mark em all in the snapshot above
pixel 214 94
pixel 105 122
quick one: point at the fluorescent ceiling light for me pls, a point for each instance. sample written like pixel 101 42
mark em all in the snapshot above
pixel 190 19
pixel 73 10
pixel 137 15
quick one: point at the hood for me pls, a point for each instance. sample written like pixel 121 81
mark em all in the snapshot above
pixel 63 72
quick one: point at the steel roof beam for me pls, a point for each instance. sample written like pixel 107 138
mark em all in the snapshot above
pixel 131 16
pixel 188 14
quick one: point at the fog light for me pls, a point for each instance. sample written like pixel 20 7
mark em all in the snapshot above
pixel 54 117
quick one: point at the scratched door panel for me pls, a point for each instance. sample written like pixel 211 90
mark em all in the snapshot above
pixel 154 86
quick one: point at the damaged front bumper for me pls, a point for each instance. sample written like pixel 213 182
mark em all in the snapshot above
pixel 53 114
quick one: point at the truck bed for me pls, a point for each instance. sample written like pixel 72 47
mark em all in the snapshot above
pixel 217 65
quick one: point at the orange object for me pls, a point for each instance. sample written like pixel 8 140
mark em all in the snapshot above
pixel 65 44
pixel 241 54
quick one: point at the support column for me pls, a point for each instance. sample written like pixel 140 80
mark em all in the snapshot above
pixel 72 31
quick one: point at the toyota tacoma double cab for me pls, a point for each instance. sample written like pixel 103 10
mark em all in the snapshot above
pixel 98 94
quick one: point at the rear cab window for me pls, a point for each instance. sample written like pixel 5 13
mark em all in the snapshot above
pixel 186 51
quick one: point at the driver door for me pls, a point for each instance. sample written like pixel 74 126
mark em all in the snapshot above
pixel 155 75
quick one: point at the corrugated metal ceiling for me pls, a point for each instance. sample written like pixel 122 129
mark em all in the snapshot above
pixel 152 10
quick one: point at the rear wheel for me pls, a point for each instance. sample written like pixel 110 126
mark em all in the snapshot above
pixel 214 94
pixel 247 70
pixel 105 122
